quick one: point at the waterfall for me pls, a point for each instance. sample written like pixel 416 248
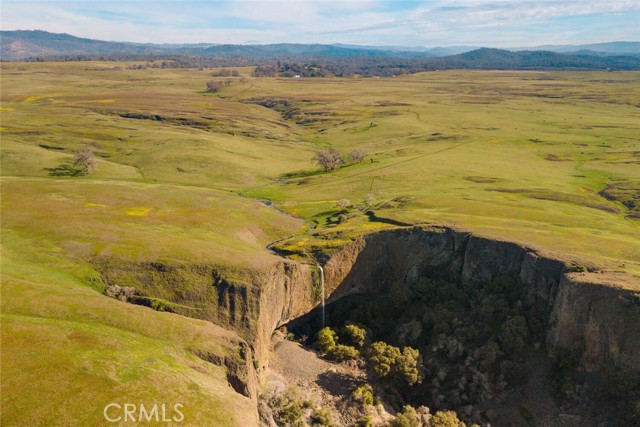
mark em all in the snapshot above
pixel 322 284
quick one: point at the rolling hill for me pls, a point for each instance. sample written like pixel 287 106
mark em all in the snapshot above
pixel 21 44
pixel 29 45
pixel 194 193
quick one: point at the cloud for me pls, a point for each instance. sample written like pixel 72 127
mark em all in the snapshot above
pixel 510 10
pixel 434 22
pixel 499 23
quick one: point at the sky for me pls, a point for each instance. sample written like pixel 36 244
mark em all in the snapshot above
pixel 429 23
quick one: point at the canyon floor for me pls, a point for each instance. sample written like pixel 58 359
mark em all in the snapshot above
pixel 302 372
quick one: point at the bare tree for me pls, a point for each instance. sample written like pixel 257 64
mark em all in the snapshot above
pixel 368 199
pixel 357 155
pixel 85 161
pixel 343 203
pixel 329 160
pixel 214 86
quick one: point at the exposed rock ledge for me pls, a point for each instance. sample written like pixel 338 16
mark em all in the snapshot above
pixel 589 315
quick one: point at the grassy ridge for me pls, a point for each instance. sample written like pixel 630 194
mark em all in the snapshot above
pixel 69 351
pixel 158 193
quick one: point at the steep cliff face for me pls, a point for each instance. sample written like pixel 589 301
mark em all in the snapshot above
pixel 596 321
pixel 252 303
pixel 286 292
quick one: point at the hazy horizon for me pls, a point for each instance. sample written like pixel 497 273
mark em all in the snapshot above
pixel 436 23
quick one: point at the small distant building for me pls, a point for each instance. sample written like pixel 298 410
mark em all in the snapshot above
pixel 297 76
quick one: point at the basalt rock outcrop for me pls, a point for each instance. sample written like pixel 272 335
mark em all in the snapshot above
pixel 596 321
pixel 252 303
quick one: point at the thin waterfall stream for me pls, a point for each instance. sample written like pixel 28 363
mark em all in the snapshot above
pixel 322 285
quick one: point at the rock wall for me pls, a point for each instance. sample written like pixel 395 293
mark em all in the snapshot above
pixel 286 292
pixel 252 303
pixel 597 321
pixel 593 319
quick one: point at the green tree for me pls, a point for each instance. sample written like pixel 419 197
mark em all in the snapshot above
pixel 342 352
pixel 356 334
pixel 514 334
pixel 407 365
pixel 446 419
pixel 407 418
pixel 383 358
pixel 321 418
pixel 387 360
pixel 364 394
pixel 327 339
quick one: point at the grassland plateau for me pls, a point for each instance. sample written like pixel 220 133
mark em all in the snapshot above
pixel 193 188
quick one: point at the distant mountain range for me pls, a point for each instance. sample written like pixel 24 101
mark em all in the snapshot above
pixel 20 45
pixel 486 58
pixel 603 49
pixel 26 45
pixel 611 48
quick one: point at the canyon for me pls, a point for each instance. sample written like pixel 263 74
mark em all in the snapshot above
pixel 592 316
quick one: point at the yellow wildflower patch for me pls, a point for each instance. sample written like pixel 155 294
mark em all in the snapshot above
pixel 137 211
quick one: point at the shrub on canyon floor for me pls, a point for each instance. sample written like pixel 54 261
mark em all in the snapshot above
pixel 407 418
pixel 327 340
pixel 387 361
pixel 342 352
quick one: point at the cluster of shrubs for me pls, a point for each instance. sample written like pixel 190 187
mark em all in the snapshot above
pixel 475 338
pixel 421 417
pixel 289 410
pixel 328 342
pixel 410 417
pixel 621 390
pixel 393 369
pixel 386 362
pixel 429 341
pixel 292 70
pixel 614 397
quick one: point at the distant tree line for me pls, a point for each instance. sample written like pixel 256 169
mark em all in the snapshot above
pixel 371 66
pixel 226 72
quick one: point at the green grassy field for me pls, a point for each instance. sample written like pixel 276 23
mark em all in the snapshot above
pixel 68 351
pixel 519 156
